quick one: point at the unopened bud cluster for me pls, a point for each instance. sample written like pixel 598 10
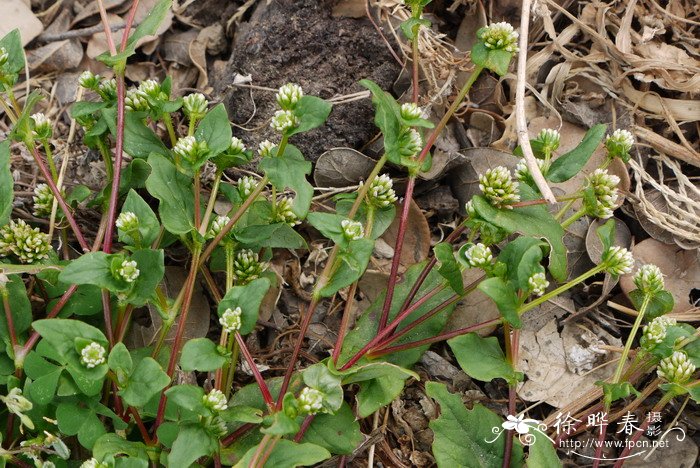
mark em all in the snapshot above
pixel 410 142
pixel 381 192
pixel 128 271
pixel 499 36
pixel 522 172
pixel 499 188
pixel 649 279
pixel 41 126
pixel 618 261
pixel 136 100
pixel 217 225
pixel 190 149
pixel 549 138
pixel 246 185
pixel 265 148
pixel 247 267
pixel 43 200
pixel 478 256
pixel 289 95
pixel 352 230
pixel 89 80
pixel 215 400
pixel 605 190
pixel 310 400
pixel 619 143
pixel 538 283
pixel 654 332
pixel 28 244
pixel 677 368
pixel 410 111
pixel 284 212
pixel 284 120
pixel 195 106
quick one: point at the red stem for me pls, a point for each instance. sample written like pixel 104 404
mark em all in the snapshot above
pixel 129 24
pixel 305 321
pixel 107 310
pixel 229 439
pixel 508 450
pixel 124 323
pixel 304 427
pixel 435 339
pixel 59 198
pixel 34 337
pixel 344 323
pixel 256 373
pixel 118 157
pixel 599 449
pixel 395 323
pixel 144 432
pixel 393 275
pixel 10 319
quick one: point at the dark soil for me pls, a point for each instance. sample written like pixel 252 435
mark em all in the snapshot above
pixel 327 56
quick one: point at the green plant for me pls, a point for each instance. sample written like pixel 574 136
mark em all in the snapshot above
pixel 69 374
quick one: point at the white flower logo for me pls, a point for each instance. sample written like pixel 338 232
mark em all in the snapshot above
pixel 522 426
pixel 518 423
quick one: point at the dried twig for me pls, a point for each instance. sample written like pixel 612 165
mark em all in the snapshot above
pixel 62 36
pixel 520 120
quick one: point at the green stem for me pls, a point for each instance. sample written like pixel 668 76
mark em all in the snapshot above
pixel 564 287
pixel 563 211
pixel 633 333
pixel 212 201
pixel 228 250
pixel 573 218
pixel 168 121
pixel 107 158
pixel 49 159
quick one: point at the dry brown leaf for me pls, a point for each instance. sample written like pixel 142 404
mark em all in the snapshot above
pixel 416 244
pixel 349 8
pixel 17 15
pixel 342 167
pixel 475 308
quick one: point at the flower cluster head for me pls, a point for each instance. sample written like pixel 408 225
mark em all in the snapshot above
pixel 217 225
pixel 677 368
pixel 18 404
pixel 93 355
pixel 107 89
pixel 4 56
pixel 93 463
pixel 478 256
pixel 604 187
pixel 215 400
pixel 230 320
pixel 410 111
pixel 538 283
pixel 41 126
pixel 127 222
pixel 265 148
pixel 128 271
pixel 288 95
pixel 499 36
pixel 28 244
pixel 499 188
pixel 284 120
pixel 284 212
pixel 152 89
pixel 381 192
pixel 247 266
pixel 410 142
pixel 352 230
pixel 195 105
pixel 237 146
pixel 43 200
pixel 549 138
pixel 89 80
pixel 190 149
pixel 619 143
pixel 136 100
pixel 618 261
pixel 522 173
pixel 655 331
pixel 649 279
pixel 310 400
pixel 246 185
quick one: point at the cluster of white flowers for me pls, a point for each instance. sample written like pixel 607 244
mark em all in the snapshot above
pixel 310 400
pixel 43 200
pixel 618 261
pixel 215 400
pixel 352 230
pixel 538 283
pixel 28 244
pixel 93 355
pixel 89 80
pixel 136 100
pixel 549 138
pixel 284 212
pixel 410 142
pixel 230 320
pixel 289 95
pixel 499 188
pixel 127 221
pixel 247 266
pixel 284 120
pixel 246 185
pixel 649 279
pixel 522 173
pixel 381 192
pixel 128 271
pixel 619 143
pixel 93 463
pixel 499 36
pixel 190 149
pixel 655 331
pixel 410 111
pixel 217 225
pixel 236 146
pixel 677 368
pixel 478 256
pixel 41 126
pixel 605 189
pixel 195 106
pixel 265 148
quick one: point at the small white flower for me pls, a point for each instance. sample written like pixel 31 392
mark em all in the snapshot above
pixel 499 36
pixel 265 148
pixel 127 222
pixel 352 230
pixel 18 405
pixel 42 126
pixel 108 89
pixel 284 212
pixel 190 149
pixel 128 271
pixel 618 261
pixel 151 88
pixel 410 111
pixel 310 400
pixel 288 95
pixel 381 192
pixel 230 320
pixel 195 105
pixel 93 463
pixel 478 256
pixel 471 211
pixel 215 400
pixel 246 185
pixel 499 188
pixel 410 142
pixel 217 225
pixel 43 200
pixel 549 138
pixel 649 279
pixel 28 244
pixel 538 283
pixel 88 80
pixel 136 101
pixel 676 368
pixel 619 143
pixel 237 146
pixel 655 331
pixel 284 120
pixel 605 190
pixel 93 355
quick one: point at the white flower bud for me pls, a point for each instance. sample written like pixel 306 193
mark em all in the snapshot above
pixel 310 400
pixel 18 405
pixel 499 188
pixel 284 212
pixel 237 146
pixel 478 256
pixel 127 221
pixel 381 192
pixel 605 189
pixel 190 149
pixel 93 355
pixel 499 36
pixel 618 261
pixel 217 225
pixel 195 105
pixel 649 279
pixel 93 463
pixel 136 101
pixel 410 111
pixel 549 138
pixel 43 200
pixel 288 95
pixel 42 126
pixel 619 143
pixel 538 283
pixel 265 148
pixel 215 400
pixel 655 332
pixel 676 368
pixel 247 267
pixel 88 80
pixel 246 185
pixel 410 142
pixel 128 271
pixel 284 120
pixel 352 230
pixel 28 245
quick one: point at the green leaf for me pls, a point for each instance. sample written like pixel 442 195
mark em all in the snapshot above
pixel 148 27
pixel 22 130
pixel 83 108
pixel 328 224
pixel 312 112
pixel 338 433
pixel 139 140
pixel 174 191
pixel 542 453
pixel 617 391
pixel 151 264
pixel 113 445
pixel 373 370
pixel 201 354
pixel 149 227
pixel 606 234
pixel 278 235
pixel 320 377
pixel 12 43
pixel 19 305
pixel 352 263
pixel 496 60
pixel 45 376
pixel 120 362
pixel 377 393
pixel 61 334
pixel 386 117
pixel 92 268
pixel 382 217
pixel 83 422
pixel 461 435
pixel 248 298
pixel 6 183
pixel 482 358
pixel 522 257
pixel 192 442
pixel 244 414
pixel 449 268
pixel 533 221
pixel 288 454
pixel 673 334
pixel 188 397
pixel 568 165
pixel 408 26
pixel 289 170
pixel 147 380
pixel 505 297
pixel 659 304
pixel 215 129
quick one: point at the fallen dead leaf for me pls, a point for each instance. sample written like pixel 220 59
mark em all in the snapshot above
pixel 342 167
pixel 16 14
